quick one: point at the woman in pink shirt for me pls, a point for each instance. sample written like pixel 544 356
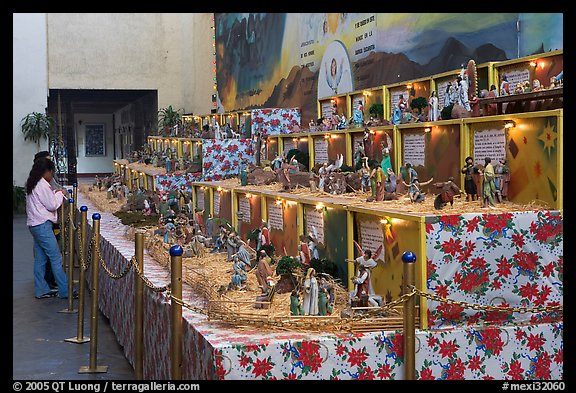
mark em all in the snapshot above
pixel 42 204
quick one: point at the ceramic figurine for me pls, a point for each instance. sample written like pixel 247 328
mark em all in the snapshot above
pixel 264 238
pixel 328 289
pixel 365 175
pixel 415 191
pixel 501 180
pixel 310 303
pixel 434 112
pixel 488 186
pixel 322 175
pixel 313 244
pixel 366 261
pixel 304 251
pixel 322 302
pixel 358 115
pixel 504 86
pixel 448 190
pixel 462 89
pixel 263 271
pixel 239 275
pixel 390 184
pixel 231 245
pixel 295 305
pixel 312 181
pixel 359 155
pixel 469 184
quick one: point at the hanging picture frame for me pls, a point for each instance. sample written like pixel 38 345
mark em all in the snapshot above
pixel 95 140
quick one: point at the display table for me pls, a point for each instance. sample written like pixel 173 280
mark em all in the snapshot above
pixel 216 351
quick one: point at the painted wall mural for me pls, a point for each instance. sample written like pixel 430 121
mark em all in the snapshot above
pixel 222 157
pixel 504 259
pixel 275 60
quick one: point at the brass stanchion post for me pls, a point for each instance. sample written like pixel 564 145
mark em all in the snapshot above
pixel 176 290
pixel 139 308
pixel 62 223
pixel 75 197
pixel 409 259
pixel 93 368
pixel 80 338
pixel 70 266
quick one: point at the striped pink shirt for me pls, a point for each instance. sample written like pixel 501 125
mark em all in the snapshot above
pixel 42 204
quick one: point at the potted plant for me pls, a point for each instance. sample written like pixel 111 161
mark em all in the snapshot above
pixel 36 126
pixel 419 103
pixel 285 269
pixel 168 118
pixel 18 199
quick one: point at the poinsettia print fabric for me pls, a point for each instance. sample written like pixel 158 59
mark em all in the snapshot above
pixel 276 121
pixel 492 352
pixel 510 259
pixel 222 157
pixel 173 181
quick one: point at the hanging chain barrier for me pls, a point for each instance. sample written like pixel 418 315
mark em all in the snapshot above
pixel 487 307
pixel 181 302
pixel 146 281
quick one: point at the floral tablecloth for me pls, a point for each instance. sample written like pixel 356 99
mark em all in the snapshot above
pixel 221 158
pixel 214 351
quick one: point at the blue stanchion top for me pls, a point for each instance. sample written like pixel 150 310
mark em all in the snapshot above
pixel 69 191
pixel 75 185
pixel 408 257
pixel 96 216
pixel 176 251
pixel 84 208
pixel 71 200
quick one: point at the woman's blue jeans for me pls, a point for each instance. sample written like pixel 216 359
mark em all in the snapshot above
pixel 46 251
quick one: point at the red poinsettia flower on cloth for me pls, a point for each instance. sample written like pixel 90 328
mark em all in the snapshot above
pixel 356 357
pixel 498 316
pixel 426 374
pixel 429 227
pixel 535 342
pixel 543 295
pixel 450 312
pixel 504 268
pixel 474 363
pixel 547 269
pixel 448 348
pixel 366 373
pixel 526 260
pixel 559 357
pixel 291 376
pixel 244 361
pixel 309 354
pixel 341 350
pixel 384 371
pixel 261 367
pixel 397 340
pixel 452 220
pixel 478 263
pixel 496 284
pixel 496 222
pixel 432 341
pixel 441 290
pixel 456 370
pixel 542 366
pixel 528 290
pixel 250 348
pixel 472 225
pixel 492 340
pixel 516 371
pixel 518 240
pixel 452 246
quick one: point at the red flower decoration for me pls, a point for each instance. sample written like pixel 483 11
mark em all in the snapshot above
pixel 526 260
pixel 452 247
pixel 496 284
pixel 426 374
pixel 503 268
pixel 261 367
pixel 547 270
pixel 385 371
pixel 474 363
pixel 472 225
pixel 340 350
pixel 559 357
pixel 310 356
pixel 528 290
pixel 535 342
pixel 398 345
pixel 356 357
pixel 518 240
pixel 432 341
pixel 456 370
pixel 451 220
pixel 366 373
pixel 441 290
pixel 496 222
pixel 478 263
pixel 492 340
pixel 542 366
pixel 244 361
pixel 448 348
pixel 516 371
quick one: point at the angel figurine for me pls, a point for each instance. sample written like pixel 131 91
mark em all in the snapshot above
pixel 362 279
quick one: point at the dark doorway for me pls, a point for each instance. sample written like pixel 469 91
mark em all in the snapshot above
pixel 94 127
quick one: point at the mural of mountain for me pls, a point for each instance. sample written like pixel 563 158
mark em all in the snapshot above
pixel 381 68
pixel 298 89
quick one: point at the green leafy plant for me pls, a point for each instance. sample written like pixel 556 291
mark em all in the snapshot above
pixel 18 199
pixel 377 110
pixel 324 266
pixel 418 103
pixel 36 126
pixel 287 264
pixel 253 235
pixel 168 117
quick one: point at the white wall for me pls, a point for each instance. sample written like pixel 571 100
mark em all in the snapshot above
pixel 94 164
pixel 172 53
pixel 29 86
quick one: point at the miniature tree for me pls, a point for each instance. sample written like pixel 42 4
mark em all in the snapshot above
pixel 419 103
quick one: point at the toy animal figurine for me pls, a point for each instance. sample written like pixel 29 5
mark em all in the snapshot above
pixel 447 192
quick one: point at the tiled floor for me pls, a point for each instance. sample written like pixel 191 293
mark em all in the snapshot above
pixel 39 349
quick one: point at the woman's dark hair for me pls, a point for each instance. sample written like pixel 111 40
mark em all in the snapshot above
pixel 37 172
